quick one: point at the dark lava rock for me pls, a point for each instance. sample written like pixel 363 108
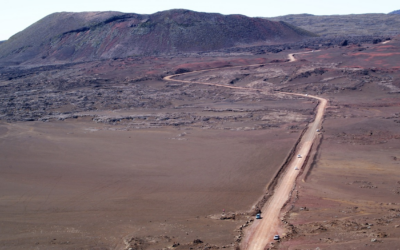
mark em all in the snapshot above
pixel 181 71
pixel 344 43
pixel 376 41
pixel 197 241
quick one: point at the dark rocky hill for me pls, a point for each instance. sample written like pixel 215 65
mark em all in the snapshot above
pixel 346 25
pixel 395 12
pixel 88 36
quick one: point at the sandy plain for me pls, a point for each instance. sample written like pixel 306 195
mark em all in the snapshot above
pixel 76 184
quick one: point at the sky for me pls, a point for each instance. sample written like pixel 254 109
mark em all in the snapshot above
pixel 16 15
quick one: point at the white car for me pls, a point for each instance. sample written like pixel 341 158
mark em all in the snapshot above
pixel 298 156
pixel 296 168
pixel 276 237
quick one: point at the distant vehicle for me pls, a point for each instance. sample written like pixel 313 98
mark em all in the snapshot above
pixel 258 216
pixel 317 130
pixel 296 168
pixel 298 156
pixel 306 94
pixel 276 237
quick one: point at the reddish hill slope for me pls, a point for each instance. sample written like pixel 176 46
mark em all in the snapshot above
pixel 89 36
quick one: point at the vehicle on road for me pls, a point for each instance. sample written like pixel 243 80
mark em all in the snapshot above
pixel 258 216
pixel 298 156
pixel 276 237
pixel 296 168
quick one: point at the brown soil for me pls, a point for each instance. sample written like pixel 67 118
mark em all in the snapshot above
pixel 76 184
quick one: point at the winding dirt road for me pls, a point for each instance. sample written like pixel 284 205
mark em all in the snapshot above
pixel 261 232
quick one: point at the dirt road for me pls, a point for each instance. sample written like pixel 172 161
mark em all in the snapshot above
pixel 261 233
pixel 293 59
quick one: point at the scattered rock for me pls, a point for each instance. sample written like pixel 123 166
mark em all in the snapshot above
pixel 182 70
pixel 344 43
pixel 376 41
pixel 197 241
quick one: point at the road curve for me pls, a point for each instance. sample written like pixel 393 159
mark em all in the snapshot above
pixel 261 232
pixel 293 59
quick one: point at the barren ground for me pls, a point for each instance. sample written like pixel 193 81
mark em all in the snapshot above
pixel 106 155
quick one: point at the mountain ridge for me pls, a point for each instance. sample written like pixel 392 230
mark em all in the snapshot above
pixel 345 25
pixel 83 36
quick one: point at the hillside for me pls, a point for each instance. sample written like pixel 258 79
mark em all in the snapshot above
pixel 395 12
pixel 346 25
pixel 90 36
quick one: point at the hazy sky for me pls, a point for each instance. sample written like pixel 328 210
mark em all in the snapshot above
pixel 16 15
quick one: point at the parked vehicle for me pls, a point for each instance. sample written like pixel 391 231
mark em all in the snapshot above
pixel 276 237
pixel 258 216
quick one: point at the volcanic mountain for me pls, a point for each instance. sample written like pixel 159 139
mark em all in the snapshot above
pixel 62 37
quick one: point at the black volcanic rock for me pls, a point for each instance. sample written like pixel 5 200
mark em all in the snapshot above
pixel 376 41
pixel 395 12
pixel 86 36
pixel 344 43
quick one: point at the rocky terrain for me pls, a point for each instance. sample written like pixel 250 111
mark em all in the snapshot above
pixel 395 12
pixel 67 37
pixel 69 90
pixel 346 25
